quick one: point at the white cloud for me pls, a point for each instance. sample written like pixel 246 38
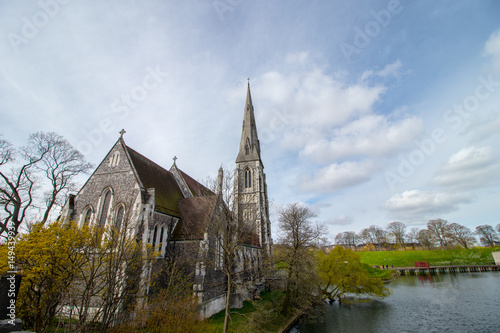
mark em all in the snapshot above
pixel 372 135
pixel 492 48
pixel 315 98
pixel 330 122
pixel 337 176
pixel 470 167
pixel 321 106
pixel 482 128
pixel 418 206
pixel 298 58
pixel 340 220
pixel 389 70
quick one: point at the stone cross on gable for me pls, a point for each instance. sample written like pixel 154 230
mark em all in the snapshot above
pixel 122 132
pixel 175 159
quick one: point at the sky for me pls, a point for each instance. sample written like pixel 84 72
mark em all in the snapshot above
pixel 368 112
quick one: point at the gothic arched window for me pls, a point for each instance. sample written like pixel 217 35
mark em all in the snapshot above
pixel 154 235
pixel 105 208
pixel 160 243
pixel 248 178
pixel 87 216
pixel 119 217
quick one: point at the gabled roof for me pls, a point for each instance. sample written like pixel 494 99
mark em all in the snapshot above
pixel 196 188
pixel 167 191
pixel 151 175
pixel 195 215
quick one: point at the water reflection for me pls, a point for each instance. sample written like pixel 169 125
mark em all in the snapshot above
pixel 465 302
pixel 425 278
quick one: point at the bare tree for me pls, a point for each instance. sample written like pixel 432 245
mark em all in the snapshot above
pixel 412 236
pixel 60 165
pixel 298 235
pixel 380 236
pixel 487 235
pixel 462 235
pixel 375 236
pixel 351 239
pixel 347 239
pixel 46 153
pixel 425 238
pixel 397 231
pixel 227 236
pixel 227 185
pixel 17 185
pixel 439 229
pixel 367 236
pixel 340 239
pixel 109 282
pixel 6 151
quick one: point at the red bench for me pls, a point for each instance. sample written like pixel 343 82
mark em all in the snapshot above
pixel 422 264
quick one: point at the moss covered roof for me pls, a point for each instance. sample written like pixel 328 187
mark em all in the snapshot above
pixel 196 188
pixel 167 192
pixel 195 216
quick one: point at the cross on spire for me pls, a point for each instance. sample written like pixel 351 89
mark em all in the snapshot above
pixel 122 132
pixel 175 159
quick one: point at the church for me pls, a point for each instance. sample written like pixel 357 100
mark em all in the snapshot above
pixel 168 209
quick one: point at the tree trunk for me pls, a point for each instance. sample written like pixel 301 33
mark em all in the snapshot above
pixel 48 209
pixel 228 303
pixel 287 292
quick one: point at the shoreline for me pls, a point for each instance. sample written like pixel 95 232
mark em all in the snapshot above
pixel 291 322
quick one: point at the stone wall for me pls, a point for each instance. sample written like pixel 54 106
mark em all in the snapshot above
pixel 213 306
pixel 496 257
pixel 115 173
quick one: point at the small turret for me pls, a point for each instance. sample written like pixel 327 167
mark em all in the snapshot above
pixel 220 178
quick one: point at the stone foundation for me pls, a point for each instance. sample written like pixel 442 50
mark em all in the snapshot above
pixel 212 306
pixel 496 257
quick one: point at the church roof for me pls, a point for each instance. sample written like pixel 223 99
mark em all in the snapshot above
pixel 167 191
pixel 196 188
pixel 195 216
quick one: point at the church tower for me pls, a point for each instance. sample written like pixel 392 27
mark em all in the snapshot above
pixel 251 205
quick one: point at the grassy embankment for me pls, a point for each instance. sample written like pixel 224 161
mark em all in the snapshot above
pixel 384 274
pixel 240 317
pixel 478 256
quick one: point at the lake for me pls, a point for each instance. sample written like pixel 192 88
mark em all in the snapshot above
pixel 462 302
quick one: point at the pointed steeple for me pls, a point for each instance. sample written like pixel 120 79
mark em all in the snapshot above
pixel 249 145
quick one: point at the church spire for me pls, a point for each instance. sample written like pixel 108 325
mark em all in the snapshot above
pixel 249 145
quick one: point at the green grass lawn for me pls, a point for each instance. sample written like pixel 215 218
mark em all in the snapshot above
pixel 384 274
pixel 479 256
pixel 240 317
